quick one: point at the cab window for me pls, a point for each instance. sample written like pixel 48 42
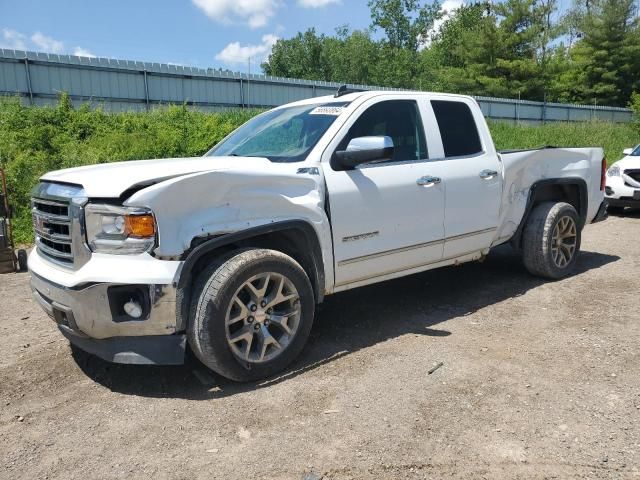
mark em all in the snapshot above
pixel 398 119
pixel 457 128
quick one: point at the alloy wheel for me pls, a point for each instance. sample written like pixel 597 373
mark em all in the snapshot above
pixel 563 241
pixel 263 317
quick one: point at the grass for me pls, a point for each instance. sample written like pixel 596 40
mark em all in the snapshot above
pixel 35 140
pixel 613 137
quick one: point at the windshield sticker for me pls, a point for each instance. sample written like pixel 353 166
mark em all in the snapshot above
pixel 327 110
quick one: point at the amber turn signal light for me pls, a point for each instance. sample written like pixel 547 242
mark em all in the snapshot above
pixel 140 226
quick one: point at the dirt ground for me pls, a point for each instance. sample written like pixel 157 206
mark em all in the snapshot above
pixel 539 380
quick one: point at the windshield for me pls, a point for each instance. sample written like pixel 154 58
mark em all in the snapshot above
pixel 281 135
pixel 636 152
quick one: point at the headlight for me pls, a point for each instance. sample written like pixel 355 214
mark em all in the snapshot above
pixel 614 171
pixel 119 230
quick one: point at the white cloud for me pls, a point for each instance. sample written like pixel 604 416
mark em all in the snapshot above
pixel 316 3
pixel 13 40
pixel 47 44
pixel 83 52
pixel 234 53
pixel 255 13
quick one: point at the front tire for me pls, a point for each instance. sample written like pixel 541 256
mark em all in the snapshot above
pixel 551 240
pixel 251 314
pixel 22 260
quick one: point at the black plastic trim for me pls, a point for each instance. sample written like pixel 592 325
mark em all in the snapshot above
pixel 602 213
pixel 145 350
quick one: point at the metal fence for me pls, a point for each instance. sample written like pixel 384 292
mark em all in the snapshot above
pixel 120 85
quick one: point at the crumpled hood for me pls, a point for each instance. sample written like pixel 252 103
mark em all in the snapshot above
pixel 110 180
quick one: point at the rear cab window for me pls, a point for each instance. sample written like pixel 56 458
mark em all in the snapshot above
pixel 458 129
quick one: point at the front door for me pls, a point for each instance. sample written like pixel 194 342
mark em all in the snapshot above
pixel 386 217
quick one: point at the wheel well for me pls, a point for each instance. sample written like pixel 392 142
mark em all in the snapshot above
pixel 559 192
pixel 571 190
pixel 299 243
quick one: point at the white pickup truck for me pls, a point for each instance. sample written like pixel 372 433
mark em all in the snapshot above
pixel 228 254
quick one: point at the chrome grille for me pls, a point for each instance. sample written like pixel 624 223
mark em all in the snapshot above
pixel 52 225
pixel 58 222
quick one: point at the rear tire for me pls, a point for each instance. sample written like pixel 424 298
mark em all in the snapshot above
pixel 251 314
pixel 551 240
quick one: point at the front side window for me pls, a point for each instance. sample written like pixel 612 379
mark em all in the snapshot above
pixel 281 135
pixel 457 128
pixel 398 119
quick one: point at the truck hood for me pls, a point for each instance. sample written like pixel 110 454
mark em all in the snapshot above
pixel 110 180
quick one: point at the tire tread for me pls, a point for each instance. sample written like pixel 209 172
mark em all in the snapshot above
pixel 207 289
pixel 535 242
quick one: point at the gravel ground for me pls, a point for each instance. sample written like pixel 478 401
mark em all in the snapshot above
pixel 539 380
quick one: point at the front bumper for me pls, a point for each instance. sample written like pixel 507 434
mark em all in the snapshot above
pixel 621 194
pixel 623 202
pixel 87 312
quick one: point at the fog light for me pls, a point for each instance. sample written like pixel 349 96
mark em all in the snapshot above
pixel 133 309
pixel 129 303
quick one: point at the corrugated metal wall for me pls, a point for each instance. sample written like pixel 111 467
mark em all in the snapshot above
pixel 120 85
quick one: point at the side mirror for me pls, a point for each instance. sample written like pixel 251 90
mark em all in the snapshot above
pixel 363 150
pixel 627 151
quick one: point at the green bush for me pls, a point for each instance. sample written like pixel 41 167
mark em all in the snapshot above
pixel 634 105
pixel 35 140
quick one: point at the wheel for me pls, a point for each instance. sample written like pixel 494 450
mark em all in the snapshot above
pixel 251 314
pixel 551 240
pixel 22 260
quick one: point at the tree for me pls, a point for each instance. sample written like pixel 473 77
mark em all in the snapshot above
pixel 406 23
pixel 354 57
pixel 302 56
pixel 634 105
pixel 497 50
pixel 605 62
pixel 510 48
pixel 461 49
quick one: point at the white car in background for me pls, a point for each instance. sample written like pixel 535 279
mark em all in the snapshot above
pixel 623 181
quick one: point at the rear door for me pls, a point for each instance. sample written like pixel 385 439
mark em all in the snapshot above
pixel 470 168
pixel 385 218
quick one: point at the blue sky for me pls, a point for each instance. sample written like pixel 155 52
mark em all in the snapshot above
pixel 202 33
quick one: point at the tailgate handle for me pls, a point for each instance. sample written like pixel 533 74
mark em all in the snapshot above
pixel 428 181
pixel 488 174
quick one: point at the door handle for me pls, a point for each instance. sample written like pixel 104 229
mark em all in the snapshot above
pixel 488 174
pixel 428 181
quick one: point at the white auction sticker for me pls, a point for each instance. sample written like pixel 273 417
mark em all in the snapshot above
pixel 327 110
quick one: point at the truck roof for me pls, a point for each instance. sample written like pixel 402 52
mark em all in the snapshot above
pixel 349 97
